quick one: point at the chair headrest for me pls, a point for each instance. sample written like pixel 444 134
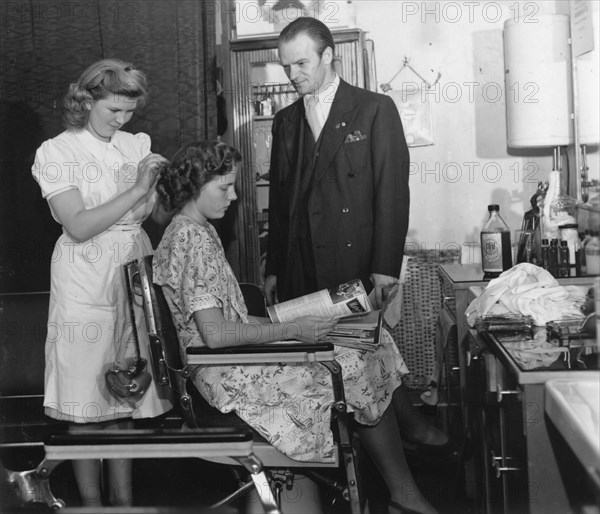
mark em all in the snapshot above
pixel 165 328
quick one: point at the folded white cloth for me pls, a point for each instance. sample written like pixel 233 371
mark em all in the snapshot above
pixel 529 290
pixel 537 354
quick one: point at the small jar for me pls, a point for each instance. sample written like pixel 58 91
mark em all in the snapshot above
pixel 569 233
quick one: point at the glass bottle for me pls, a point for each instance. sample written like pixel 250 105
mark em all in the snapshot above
pixel 495 244
pixel 257 101
pixel 569 234
pixel 563 259
pixel 559 207
pixel 267 103
pixel 545 254
pixel 553 258
pixel 525 246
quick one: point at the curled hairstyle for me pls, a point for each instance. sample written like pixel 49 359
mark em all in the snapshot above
pixel 313 28
pixel 108 76
pixel 193 166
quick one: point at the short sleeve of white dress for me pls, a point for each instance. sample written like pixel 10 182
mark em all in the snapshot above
pixel 55 167
pixel 144 142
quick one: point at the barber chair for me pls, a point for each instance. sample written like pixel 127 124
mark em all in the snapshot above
pixel 254 298
pixel 173 371
pixel 203 431
pixel 32 489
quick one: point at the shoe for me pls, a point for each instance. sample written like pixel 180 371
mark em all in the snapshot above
pixel 448 452
pixel 430 397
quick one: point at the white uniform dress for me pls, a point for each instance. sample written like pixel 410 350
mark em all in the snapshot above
pixel 88 320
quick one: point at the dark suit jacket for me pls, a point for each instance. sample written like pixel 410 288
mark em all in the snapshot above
pixel 359 201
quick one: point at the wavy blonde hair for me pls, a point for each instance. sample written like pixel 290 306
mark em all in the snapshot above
pixel 108 76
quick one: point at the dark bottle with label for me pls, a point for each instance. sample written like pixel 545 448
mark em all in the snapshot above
pixel 553 258
pixel 495 244
pixel 545 254
pixel 563 259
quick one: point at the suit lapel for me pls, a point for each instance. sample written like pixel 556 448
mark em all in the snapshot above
pixel 291 127
pixel 343 111
pixel 293 139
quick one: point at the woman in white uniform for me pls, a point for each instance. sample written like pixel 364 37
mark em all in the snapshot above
pixel 100 185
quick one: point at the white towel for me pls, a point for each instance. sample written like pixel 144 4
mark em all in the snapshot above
pixel 529 290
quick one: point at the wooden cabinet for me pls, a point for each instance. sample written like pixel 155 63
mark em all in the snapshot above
pixel 457 280
pixel 498 436
pixel 260 89
pixel 518 464
pixel 460 284
pixel 521 463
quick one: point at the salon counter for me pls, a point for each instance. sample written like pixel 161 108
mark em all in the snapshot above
pixel 523 463
pixel 461 283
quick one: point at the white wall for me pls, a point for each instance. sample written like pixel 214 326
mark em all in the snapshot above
pixel 469 165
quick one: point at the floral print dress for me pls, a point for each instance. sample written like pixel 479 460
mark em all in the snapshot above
pixel 289 405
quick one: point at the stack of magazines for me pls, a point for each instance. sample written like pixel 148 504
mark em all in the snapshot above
pixel 359 324
pixel 358 331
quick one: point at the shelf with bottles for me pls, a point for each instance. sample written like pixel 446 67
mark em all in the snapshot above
pixel 267 99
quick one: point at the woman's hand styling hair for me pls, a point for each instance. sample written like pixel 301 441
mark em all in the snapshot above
pixel 174 188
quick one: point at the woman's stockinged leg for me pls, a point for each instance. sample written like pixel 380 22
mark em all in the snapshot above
pixel 120 487
pixel 384 445
pixel 88 472
pixel 120 475
pixel 413 424
pixel 88 475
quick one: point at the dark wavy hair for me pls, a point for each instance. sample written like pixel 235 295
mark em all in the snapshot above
pixel 97 81
pixel 193 166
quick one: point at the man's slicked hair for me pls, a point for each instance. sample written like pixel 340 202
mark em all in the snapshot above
pixel 313 28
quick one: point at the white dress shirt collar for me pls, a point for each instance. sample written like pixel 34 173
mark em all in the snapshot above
pixel 324 98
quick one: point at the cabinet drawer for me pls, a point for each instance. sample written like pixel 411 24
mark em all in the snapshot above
pixel 448 293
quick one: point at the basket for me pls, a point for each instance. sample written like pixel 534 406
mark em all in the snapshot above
pixel 421 304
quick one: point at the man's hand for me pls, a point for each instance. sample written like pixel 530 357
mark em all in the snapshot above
pixel 382 285
pixel 270 290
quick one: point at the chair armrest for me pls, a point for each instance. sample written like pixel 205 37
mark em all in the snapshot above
pixel 251 354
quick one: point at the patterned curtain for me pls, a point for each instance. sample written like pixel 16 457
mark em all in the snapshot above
pixel 46 45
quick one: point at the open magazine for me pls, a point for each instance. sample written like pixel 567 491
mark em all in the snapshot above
pixel 359 324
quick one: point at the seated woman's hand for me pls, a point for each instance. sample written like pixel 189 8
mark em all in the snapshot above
pixel 309 329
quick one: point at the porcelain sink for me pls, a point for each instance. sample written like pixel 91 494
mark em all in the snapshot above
pixel 573 405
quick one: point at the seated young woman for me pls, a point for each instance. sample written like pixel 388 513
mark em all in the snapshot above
pixel 289 405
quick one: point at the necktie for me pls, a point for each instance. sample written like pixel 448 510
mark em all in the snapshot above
pixel 314 116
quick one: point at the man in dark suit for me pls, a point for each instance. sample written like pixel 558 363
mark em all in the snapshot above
pixel 339 197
